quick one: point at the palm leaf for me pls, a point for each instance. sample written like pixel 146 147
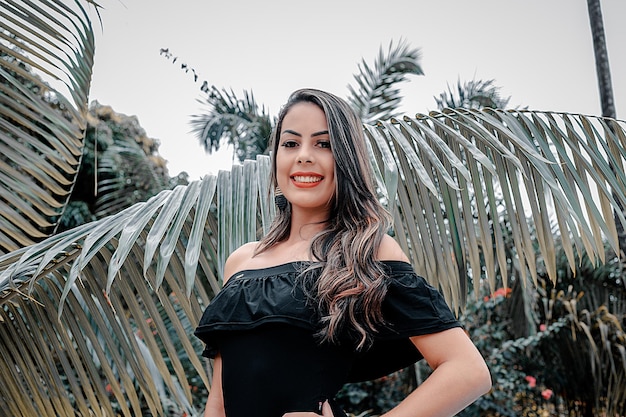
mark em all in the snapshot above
pixel 376 95
pixel 134 273
pixel 44 43
pixel 474 94
pixel 238 122
pixel 123 277
pixel 125 176
pixel 455 167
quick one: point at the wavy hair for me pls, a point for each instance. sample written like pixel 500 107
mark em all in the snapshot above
pixel 350 287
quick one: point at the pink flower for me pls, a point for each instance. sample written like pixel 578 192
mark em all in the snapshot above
pixel 542 327
pixel 532 381
pixel 546 393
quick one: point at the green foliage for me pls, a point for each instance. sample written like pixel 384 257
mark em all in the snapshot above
pixel 120 166
pixel 241 123
pixel 511 360
pixel 473 94
pixel 588 362
pixel 376 95
pixel 75 214
pixel 377 396
pixel 573 363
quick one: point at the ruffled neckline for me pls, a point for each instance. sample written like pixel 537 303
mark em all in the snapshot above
pixel 392 266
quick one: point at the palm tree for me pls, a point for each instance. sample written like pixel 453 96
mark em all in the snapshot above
pixel 247 127
pixel 474 94
pixel 96 319
pixel 587 372
pixel 238 122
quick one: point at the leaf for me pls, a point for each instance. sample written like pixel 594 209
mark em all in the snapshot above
pixel 47 51
pixel 377 96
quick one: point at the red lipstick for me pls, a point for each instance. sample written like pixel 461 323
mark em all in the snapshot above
pixel 306 179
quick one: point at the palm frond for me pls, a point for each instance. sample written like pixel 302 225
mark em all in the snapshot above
pixel 473 94
pixel 43 44
pixel 131 285
pixel 238 122
pixel 125 176
pixel 376 95
pixel 455 167
pixel 133 273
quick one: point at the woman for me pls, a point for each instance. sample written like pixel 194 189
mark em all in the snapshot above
pixel 327 297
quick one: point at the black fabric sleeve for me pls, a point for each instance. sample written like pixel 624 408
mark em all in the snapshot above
pixel 412 307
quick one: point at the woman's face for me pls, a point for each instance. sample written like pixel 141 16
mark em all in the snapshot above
pixel 305 166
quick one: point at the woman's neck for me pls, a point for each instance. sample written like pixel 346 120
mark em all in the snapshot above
pixel 305 225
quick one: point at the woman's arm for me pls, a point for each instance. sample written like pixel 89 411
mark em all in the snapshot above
pixel 459 376
pixel 215 402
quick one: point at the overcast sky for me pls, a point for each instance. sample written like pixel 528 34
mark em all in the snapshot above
pixel 538 51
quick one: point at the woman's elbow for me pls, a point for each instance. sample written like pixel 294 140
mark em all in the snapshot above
pixel 482 377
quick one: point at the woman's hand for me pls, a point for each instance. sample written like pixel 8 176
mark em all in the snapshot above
pixel 326 412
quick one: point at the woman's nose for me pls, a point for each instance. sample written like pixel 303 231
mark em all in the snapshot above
pixel 304 156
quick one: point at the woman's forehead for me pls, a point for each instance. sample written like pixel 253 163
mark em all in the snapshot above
pixel 304 114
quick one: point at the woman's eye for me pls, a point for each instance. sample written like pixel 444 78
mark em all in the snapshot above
pixel 324 144
pixel 289 144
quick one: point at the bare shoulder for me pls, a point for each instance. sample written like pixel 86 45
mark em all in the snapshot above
pixel 390 250
pixel 238 259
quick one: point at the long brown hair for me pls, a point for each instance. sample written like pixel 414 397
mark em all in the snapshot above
pixel 351 284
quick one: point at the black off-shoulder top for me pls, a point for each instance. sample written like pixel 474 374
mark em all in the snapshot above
pixel 272 363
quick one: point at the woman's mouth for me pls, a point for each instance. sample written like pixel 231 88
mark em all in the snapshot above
pixel 306 181
pixel 302 178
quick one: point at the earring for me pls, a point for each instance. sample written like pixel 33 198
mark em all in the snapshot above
pixel 279 199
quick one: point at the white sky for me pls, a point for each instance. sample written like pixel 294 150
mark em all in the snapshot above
pixel 538 51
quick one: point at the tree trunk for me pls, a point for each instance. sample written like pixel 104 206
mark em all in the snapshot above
pixel 607 102
pixel 603 70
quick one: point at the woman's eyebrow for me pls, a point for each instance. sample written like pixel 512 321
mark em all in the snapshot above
pixel 291 132
pixel 320 133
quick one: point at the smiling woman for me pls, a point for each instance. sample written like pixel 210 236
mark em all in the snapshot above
pixel 305 166
pixel 327 297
